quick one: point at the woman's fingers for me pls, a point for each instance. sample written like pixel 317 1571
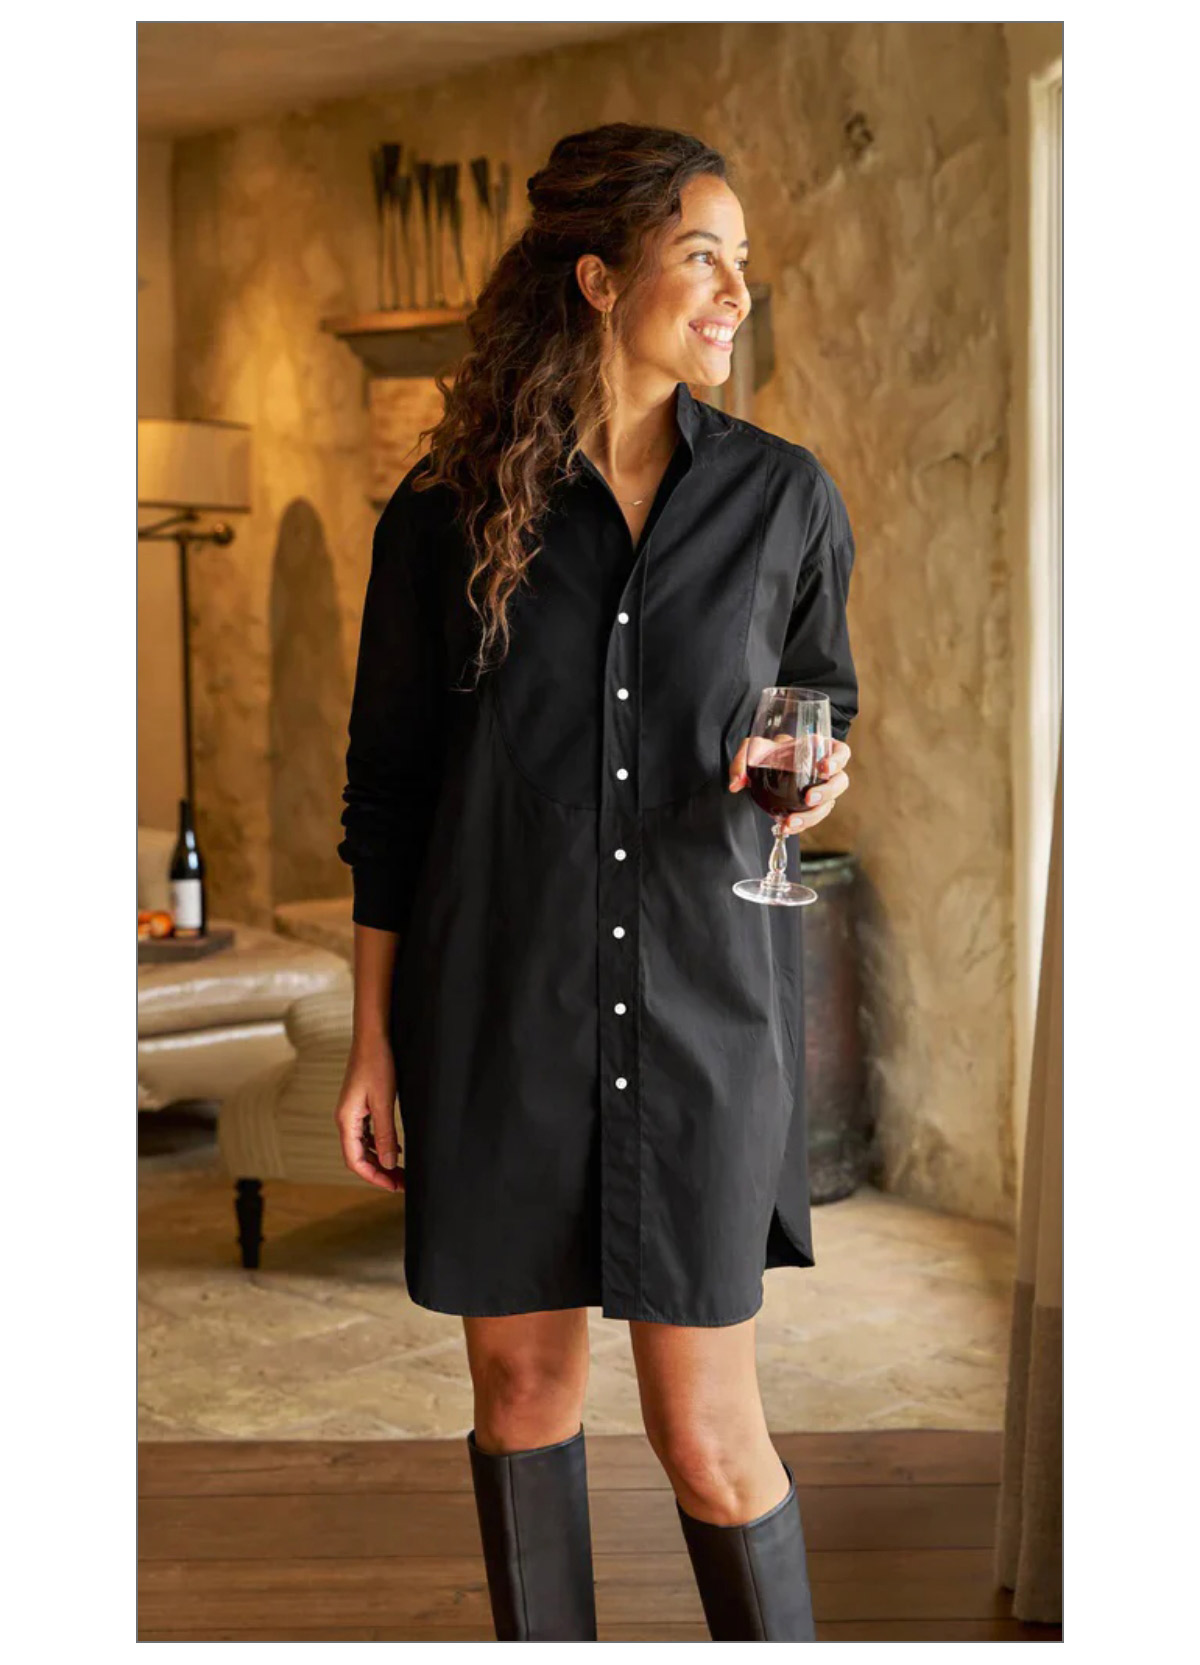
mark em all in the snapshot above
pixel 380 1146
pixel 825 791
pixel 363 1145
pixel 797 823
pixel 382 1152
pixel 821 798
pixel 835 761
pixel 383 1130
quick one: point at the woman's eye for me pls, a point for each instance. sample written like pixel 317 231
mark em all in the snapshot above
pixel 707 254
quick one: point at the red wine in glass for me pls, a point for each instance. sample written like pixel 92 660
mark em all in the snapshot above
pixel 788 741
pixel 779 786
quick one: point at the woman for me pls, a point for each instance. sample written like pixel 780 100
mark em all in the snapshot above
pixel 574 603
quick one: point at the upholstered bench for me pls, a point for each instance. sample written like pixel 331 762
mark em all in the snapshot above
pixel 206 1026
pixel 280 1124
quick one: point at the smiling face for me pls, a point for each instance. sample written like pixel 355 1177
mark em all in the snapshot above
pixel 686 315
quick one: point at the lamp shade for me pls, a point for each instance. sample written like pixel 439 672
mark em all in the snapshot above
pixel 193 465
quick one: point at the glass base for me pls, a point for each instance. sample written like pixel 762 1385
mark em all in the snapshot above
pixel 789 895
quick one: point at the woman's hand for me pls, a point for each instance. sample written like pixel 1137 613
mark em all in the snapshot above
pixel 366 1115
pixel 833 780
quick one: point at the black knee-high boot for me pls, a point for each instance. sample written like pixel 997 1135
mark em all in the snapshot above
pixel 753 1577
pixel 537 1542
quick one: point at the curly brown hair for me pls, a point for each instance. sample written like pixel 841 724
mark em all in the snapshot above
pixel 534 378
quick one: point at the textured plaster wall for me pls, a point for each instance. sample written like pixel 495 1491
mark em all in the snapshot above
pixel 871 162
pixel 160 763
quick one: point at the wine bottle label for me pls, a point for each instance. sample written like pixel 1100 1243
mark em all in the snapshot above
pixel 186 904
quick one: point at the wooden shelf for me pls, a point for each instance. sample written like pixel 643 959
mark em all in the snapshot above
pixel 406 318
pixel 418 341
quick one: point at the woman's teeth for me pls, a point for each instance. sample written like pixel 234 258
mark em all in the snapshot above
pixel 714 334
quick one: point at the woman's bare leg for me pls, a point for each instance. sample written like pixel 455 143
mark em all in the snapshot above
pixel 530 1374
pixel 704 1418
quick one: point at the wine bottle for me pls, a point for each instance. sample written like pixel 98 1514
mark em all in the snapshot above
pixel 187 879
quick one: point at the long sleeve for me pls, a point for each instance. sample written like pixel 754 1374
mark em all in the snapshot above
pixel 816 651
pixel 396 727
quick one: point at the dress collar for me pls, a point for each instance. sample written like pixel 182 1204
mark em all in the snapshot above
pixel 689 419
pixel 689 416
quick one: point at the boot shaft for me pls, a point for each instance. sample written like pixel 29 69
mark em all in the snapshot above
pixel 753 1577
pixel 537 1546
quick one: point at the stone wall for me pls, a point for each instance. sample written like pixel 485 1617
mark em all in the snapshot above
pixel 872 165
pixel 161 780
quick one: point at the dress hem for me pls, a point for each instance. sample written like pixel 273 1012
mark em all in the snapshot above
pixel 616 1311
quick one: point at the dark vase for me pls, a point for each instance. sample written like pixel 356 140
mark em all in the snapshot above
pixel 839 1125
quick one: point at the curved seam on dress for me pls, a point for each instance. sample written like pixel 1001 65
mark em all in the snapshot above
pixel 673 803
pixel 792 1237
pixel 670 803
pixel 752 596
pixel 559 803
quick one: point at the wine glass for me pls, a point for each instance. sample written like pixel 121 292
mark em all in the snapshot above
pixel 789 739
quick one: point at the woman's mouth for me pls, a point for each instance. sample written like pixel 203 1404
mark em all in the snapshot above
pixel 719 336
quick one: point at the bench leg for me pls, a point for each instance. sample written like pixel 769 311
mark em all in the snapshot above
pixel 248 1205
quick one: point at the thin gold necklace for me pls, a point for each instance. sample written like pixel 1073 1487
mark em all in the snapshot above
pixel 635 502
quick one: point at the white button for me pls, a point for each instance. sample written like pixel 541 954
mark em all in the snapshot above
pixel 618 930
pixel 620 1006
pixel 620 855
pixel 622 774
pixel 622 618
pixel 622 693
pixel 621 1081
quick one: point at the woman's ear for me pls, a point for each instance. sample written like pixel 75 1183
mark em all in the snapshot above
pixel 591 274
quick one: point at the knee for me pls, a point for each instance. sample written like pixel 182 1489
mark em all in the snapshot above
pixel 523 1400
pixel 711 1474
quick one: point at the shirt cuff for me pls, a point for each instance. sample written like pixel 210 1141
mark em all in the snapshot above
pixel 379 901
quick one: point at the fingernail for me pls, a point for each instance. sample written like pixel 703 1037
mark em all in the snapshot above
pixel 389 1161
pixel 814 797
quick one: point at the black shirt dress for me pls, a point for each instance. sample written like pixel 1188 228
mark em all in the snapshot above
pixel 599 1047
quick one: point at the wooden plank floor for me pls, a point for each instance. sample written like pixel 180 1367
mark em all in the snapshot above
pixel 324 1541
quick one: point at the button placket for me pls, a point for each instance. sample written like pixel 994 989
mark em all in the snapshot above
pixel 619 966
pixel 619 961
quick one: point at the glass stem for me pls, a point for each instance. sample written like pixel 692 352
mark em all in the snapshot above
pixel 777 872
